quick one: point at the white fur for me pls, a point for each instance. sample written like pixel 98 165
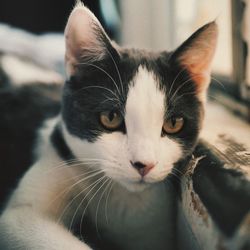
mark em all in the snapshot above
pixel 23 72
pixel 144 118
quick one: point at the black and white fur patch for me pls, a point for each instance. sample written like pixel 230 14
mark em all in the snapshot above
pixel 147 89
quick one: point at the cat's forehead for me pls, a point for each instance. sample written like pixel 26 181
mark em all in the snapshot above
pixel 138 54
pixel 145 103
pixel 106 84
pixel 138 62
pixel 140 57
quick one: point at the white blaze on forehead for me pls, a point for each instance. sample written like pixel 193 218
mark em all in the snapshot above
pixel 144 115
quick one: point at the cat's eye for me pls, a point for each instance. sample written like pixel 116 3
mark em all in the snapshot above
pixel 173 125
pixel 111 119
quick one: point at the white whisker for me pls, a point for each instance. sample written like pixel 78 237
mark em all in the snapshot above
pixel 104 71
pixel 172 84
pixel 118 72
pixel 178 89
pixel 67 190
pixel 65 209
pixel 98 87
pixel 78 162
pixel 188 93
pixel 98 204
pixel 106 203
pixel 176 176
pixel 177 170
pixel 81 221
pixel 93 185
pixel 219 82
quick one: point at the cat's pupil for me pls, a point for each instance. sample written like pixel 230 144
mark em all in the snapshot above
pixel 112 115
pixel 173 121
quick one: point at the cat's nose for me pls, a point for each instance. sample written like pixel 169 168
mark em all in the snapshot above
pixel 142 168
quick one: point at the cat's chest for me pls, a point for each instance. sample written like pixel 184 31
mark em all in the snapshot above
pixel 138 221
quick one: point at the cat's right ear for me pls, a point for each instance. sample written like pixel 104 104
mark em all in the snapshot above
pixel 86 40
pixel 196 54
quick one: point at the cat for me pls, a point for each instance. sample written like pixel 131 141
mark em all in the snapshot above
pixel 128 117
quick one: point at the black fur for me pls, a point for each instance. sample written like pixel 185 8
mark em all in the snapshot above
pixel 23 110
pixel 224 192
pixel 60 145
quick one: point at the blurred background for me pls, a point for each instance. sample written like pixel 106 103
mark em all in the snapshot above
pixel 158 25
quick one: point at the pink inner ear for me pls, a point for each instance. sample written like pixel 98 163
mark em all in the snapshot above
pixel 197 57
pixel 79 30
pixel 82 38
pixel 199 69
pixel 198 62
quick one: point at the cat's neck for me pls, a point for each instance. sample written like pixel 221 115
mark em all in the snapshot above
pixel 59 143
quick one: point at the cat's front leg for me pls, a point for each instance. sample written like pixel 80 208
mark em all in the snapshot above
pixel 25 229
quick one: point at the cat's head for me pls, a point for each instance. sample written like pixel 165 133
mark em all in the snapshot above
pixel 132 113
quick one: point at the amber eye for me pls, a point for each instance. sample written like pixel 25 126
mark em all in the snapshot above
pixel 111 119
pixel 173 125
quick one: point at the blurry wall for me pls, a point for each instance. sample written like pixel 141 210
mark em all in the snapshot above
pixel 147 23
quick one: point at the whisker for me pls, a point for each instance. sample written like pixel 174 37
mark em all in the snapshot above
pixel 77 176
pixel 65 209
pixel 189 79
pixel 172 84
pixel 176 176
pixel 106 203
pixel 118 72
pixel 177 170
pixel 66 190
pixel 219 82
pixel 97 208
pixel 61 164
pixel 104 71
pixel 98 87
pixel 81 221
pixel 188 93
pixel 93 185
pixel 178 89
pixel 215 99
pixel 70 163
pixel 111 100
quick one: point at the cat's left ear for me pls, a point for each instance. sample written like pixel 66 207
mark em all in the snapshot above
pixel 196 54
pixel 86 40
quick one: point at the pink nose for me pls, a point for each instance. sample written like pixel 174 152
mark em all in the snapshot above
pixel 142 168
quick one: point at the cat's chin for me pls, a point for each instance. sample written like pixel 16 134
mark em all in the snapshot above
pixel 135 186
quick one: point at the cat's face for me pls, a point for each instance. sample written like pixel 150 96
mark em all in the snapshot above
pixel 131 113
